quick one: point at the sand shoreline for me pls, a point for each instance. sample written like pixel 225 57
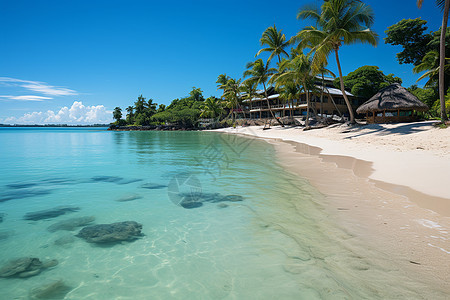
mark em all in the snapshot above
pixel 367 199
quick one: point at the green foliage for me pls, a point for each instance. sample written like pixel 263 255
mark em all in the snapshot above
pixel 161 108
pixel 436 108
pixel 426 95
pixel 130 115
pixel 275 42
pixel 183 112
pixel 186 117
pixel 410 34
pixel 194 100
pixel 117 113
pixel 211 108
pixel 337 23
pixel 366 81
pixel 144 110
pixel 416 43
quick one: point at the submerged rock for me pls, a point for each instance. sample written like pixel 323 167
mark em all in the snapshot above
pixel 232 198
pixel 64 240
pixel 222 205
pixel 50 213
pixel 190 204
pixel 106 179
pixel 114 179
pixel 56 289
pixel 2 215
pixel 71 224
pixel 128 181
pixel 107 233
pixel 194 200
pixel 21 185
pixel 23 193
pixel 25 267
pixel 5 234
pixel 129 198
pixel 153 186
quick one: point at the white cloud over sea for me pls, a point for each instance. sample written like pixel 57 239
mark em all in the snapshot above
pixel 37 86
pixel 78 113
pixel 25 97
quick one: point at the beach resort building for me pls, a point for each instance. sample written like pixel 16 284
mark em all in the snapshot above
pixel 392 104
pixel 332 103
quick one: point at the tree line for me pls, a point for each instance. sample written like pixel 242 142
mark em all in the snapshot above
pixel 294 64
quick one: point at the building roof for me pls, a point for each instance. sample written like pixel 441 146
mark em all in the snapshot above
pixel 392 97
pixel 334 91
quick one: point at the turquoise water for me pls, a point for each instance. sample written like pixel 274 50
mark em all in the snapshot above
pixel 277 242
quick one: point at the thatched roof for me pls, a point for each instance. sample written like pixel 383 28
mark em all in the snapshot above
pixel 392 97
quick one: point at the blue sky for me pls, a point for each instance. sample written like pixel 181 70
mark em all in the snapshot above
pixel 74 61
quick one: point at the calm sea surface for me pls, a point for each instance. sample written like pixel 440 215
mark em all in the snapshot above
pixel 248 229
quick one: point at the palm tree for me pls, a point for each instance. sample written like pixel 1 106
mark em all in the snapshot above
pixel 140 105
pixel 430 64
pixel 130 115
pixel 117 114
pixel 259 73
pixel 249 90
pixel 445 5
pixel 275 41
pixel 211 108
pixel 338 22
pixel 231 92
pixel 288 92
pixel 297 71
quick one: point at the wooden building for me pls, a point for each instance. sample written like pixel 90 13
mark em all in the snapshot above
pixel 327 101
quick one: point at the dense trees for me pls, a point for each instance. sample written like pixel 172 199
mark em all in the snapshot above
pixel 426 51
pixel 117 114
pixel 335 23
pixel 366 81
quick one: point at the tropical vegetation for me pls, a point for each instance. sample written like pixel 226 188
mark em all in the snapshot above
pixel 294 66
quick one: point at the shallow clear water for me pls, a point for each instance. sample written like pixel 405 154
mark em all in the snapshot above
pixel 276 243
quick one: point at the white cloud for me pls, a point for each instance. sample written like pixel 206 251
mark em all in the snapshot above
pixel 78 113
pixel 25 97
pixel 36 86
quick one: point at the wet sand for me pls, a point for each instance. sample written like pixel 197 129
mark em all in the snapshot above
pixel 409 227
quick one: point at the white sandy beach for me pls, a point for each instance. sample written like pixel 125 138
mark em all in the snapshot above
pixel 411 154
pixel 387 184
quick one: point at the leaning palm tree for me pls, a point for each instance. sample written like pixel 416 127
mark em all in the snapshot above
pixel 338 22
pixel 297 71
pixel 430 64
pixel 259 73
pixel 276 43
pixel 445 6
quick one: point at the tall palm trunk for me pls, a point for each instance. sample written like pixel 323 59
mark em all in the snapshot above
pixel 442 61
pixel 307 105
pixel 321 96
pixel 268 105
pixel 349 107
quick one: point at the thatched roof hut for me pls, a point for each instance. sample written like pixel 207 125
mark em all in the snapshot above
pixel 391 104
